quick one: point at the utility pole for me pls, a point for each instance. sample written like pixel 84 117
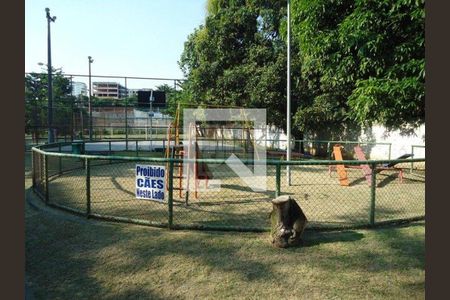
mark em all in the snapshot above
pixel 51 138
pixel 288 90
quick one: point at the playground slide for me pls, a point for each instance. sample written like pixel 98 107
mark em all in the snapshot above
pixel 342 173
pixel 366 169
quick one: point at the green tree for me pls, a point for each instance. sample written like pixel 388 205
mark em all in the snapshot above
pixel 353 62
pixel 362 62
pixel 36 103
pixel 109 102
pixel 172 98
pixel 238 58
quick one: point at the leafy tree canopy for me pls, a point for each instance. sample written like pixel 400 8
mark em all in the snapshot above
pixel 238 57
pixel 362 60
pixel 36 100
pixel 353 62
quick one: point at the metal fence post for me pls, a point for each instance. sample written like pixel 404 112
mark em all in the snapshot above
pixel 88 187
pixel 278 180
pixel 373 187
pixel 33 171
pixel 137 148
pixel 412 164
pixel 109 150
pixel 59 161
pixel 46 179
pixel 390 146
pixel 40 170
pixel 83 162
pixel 170 198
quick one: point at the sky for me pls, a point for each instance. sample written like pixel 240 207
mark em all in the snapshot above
pixel 141 38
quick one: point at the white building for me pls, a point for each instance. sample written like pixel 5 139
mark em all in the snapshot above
pixel 79 88
pixel 133 92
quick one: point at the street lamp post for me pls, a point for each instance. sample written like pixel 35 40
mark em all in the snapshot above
pixel 51 137
pixel 288 91
pixel 89 102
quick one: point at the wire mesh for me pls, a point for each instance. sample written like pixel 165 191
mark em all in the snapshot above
pixel 222 200
pixel 399 194
pixel 38 174
pixel 324 149
pixel 326 203
pixel 68 187
pixel 113 193
pixel 216 197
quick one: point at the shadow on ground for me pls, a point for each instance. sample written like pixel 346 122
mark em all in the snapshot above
pixel 316 238
pixel 71 257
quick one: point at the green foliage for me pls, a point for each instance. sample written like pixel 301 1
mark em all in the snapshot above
pixel 173 97
pixel 238 57
pixel 122 102
pixel 363 62
pixel 353 62
pixel 36 100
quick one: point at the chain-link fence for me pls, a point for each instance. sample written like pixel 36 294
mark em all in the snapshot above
pixel 115 110
pixel 103 186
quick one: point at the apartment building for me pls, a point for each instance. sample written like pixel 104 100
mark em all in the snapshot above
pixel 109 90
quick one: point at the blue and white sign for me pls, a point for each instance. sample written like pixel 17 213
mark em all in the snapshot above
pixel 150 182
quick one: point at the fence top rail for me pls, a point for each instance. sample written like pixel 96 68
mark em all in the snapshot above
pixel 51 145
pixel 114 76
pixel 119 139
pixel 222 161
pixel 344 142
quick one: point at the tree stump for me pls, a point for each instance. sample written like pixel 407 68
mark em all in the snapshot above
pixel 287 222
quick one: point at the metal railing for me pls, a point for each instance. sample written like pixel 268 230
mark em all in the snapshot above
pixel 414 153
pixel 103 186
pixel 143 133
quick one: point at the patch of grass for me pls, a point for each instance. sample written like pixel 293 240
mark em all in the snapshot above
pixel 69 257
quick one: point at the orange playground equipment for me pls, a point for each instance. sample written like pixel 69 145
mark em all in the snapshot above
pixel 176 149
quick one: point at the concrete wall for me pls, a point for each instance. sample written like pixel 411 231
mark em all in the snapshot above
pixel 401 144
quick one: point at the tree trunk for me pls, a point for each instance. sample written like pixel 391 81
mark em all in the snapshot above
pixel 287 222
